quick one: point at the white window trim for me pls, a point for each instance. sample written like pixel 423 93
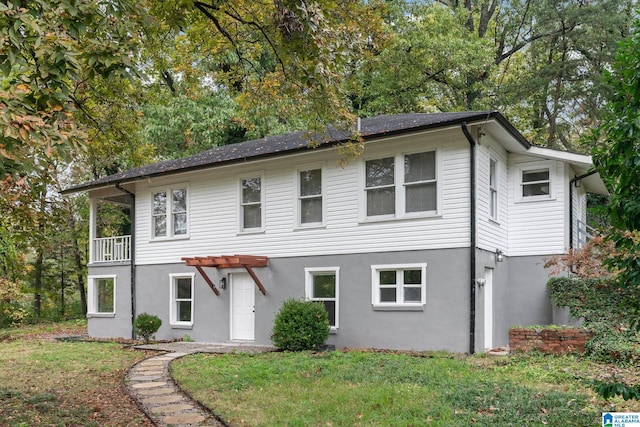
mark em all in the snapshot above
pixel 494 188
pixel 400 192
pixel 375 287
pixel 172 300
pixel 92 296
pixel 530 167
pixel 297 210
pixel 169 212
pixel 241 229
pixel 308 289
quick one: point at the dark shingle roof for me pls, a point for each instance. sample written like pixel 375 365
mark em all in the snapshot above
pixel 370 128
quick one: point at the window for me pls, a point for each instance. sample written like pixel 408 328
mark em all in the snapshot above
pixel 181 295
pixel 251 203
pixel 420 182
pixel 322 286
pixel 413 190
pixel 535 181
pixel 493 189
pixel 102 295
pixel 398 285
pixel 310 196
pixel 170 213
pixel 380 186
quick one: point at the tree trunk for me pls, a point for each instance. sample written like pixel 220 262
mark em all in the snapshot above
pixel 37 285
pixel 77 258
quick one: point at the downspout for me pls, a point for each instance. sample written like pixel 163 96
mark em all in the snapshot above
pixel 132 247
pixel 473 243
pixel 571 184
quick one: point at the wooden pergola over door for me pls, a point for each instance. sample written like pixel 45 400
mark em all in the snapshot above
pixel 229 261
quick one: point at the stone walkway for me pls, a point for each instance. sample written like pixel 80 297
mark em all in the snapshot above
pixel 149 382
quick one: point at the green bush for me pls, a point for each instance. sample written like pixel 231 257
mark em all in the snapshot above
pixel 300 325
pixel 146 325
pixel 601 303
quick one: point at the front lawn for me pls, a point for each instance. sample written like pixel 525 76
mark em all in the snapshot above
pixel 386 388
pixel 45 382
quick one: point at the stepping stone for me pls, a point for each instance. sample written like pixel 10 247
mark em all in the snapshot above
pixel 152 384
pixel 145 377
pixel 156 391
pixel 183 419
pixel 171 408
pixel 163 399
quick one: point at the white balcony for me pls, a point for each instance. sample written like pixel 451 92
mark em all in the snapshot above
pixel 112 249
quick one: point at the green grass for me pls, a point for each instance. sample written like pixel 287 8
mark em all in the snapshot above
pixel 44 382
pixel 366 388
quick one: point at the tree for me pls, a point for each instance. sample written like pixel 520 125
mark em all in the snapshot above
pixel 617 157
pixel 49 46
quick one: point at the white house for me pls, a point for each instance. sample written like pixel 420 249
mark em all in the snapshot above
pixel 434 239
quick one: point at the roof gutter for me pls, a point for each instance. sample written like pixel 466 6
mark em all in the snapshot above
pixel 132 248
pixel 473 242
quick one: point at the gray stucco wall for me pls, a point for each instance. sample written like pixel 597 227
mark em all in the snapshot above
pixel 529 302
pixel 519 298
pixel 118 326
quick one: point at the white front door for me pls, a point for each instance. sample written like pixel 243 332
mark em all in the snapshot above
pixel 488 308
pixel 242 307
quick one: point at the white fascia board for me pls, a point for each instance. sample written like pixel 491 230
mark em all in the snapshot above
pixel 581 163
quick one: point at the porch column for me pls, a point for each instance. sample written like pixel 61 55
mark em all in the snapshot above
pixel 93 214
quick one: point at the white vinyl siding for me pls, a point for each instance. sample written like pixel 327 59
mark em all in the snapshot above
pixel 537 225
pixel 492 231
pixel 213 203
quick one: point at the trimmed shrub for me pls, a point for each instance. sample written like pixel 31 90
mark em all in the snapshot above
pixel 146 325
pixel 300 325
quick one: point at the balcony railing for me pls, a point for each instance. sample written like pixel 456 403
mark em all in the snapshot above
pixel 585 233
pixel 112 249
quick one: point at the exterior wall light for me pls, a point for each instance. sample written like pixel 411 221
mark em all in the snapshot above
pixel 223 283
pixel 499 255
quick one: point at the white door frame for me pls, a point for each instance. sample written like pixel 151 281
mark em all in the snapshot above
pixel 244 282
pixel 488 308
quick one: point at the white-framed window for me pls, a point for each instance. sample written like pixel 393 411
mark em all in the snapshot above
pixel 535 180
pixel 101 292
pixel 380 187
pixel 493 189
pixel 399 285
pixel 310 197
pixel 403 185
pixel 251 203
pixel 170 212
pixel 181 299
pixel 322 285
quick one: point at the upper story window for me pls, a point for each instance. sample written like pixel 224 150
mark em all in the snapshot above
pixel 310 204
pixel 535 181
pixel 170 212
pixel 251 202
pixel 181 299
pixel 401 185
pixel 102 295
pixel 321 284
pixel 399 285
pixel 493 189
